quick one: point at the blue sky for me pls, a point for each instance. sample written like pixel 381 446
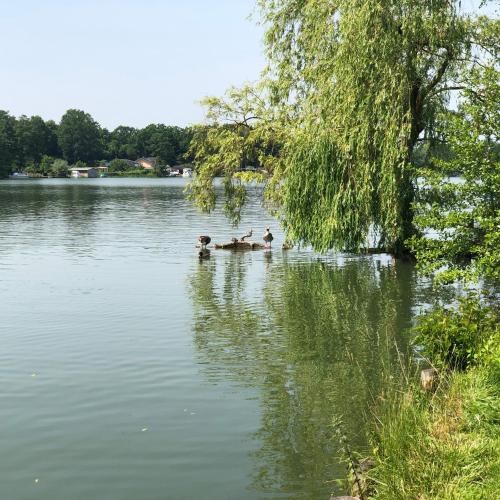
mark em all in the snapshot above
pixel 127 62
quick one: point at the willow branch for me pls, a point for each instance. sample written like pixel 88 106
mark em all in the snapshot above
pixel 446 89
pixel 439 73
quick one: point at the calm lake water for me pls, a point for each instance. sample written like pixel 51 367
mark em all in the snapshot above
pixel 130 370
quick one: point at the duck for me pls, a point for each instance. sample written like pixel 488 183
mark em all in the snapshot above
pixel 204 241
pixel 268 237
pixel 248 235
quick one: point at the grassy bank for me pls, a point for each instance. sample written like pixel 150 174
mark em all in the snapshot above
pixel 443 444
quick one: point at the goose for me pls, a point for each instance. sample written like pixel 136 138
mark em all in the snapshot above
pixel 268 237
pixel 248 235
pixel 204 241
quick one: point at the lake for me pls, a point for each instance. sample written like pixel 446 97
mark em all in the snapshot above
pixel 132 370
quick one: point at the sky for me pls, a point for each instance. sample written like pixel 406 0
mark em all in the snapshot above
pixel 127 62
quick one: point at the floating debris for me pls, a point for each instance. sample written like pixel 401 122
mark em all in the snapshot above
pixel 144 429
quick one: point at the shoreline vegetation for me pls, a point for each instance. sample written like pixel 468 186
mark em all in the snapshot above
pixel 47 149
pixel 441 445
pixel 440 440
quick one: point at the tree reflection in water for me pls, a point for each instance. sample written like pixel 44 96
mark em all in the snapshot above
pixel 316 339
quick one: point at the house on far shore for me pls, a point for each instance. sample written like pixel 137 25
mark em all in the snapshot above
pixel 147 163
pixel 83 172
pixel 90 172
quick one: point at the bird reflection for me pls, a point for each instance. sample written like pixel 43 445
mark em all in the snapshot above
pixel 204 253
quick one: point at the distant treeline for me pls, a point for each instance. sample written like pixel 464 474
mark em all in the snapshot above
pixel 33 144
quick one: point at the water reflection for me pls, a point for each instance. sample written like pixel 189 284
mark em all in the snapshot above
pixel 314 342
pixel 94 303
pixel 76 213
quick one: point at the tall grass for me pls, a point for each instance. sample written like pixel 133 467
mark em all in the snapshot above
pixel 441 445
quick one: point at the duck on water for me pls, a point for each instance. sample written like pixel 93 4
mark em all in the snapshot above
pixel 203 241
pixel 268 237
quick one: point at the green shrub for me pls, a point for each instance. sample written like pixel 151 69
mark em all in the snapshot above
pixel 45 166
pixel 80 164
pixel 459 338
pixel 119 165
pixel 59 168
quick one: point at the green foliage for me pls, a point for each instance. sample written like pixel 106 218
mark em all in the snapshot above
pixel 459 338
pixel 157 143
pixel 36 138
pixel 350 89
pixel 122 143
pixel 459 219
pixel 445 445
pixel 79 137
pixel 489 353
pixel 45 165
pixel 166 143
pixel 80 164
pixel 120 165
pixel 243 129
pixel 59 168
pixel 135 172
pixel 161 170
pixel 24 142
pixel 428 152
pixel 8 143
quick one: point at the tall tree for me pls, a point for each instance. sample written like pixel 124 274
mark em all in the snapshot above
pixel 362 82
pixel 367 78
pixel 36 138
pixel 156 140
pixel 55 150
pixel 105 138
pixel 8 142
pixel 79 137
pixel 123 143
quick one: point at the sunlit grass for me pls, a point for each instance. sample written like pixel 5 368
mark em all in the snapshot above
pixel 444 445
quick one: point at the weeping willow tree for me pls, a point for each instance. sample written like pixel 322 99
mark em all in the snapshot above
pixel 352 86
pixel 243 130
